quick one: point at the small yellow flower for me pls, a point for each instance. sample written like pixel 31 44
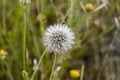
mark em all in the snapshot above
pixel 89 6
pixel 74 73
pixel 3 54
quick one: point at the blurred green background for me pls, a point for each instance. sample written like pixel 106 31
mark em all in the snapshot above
pixel 97 43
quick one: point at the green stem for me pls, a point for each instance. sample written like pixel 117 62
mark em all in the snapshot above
pixel 102 66
pixel 53 5
pixel 37 66
pixel 38 10
pixel 41 20
pixel 82 72
pixel 24 38
pixel 53 67
pixel 71 11
pixel 4 15
pixel 67 14
pixel 37 5
pixel 54 8
pixel 8 71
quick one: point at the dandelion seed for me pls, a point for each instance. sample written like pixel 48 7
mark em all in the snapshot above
pixel 58 38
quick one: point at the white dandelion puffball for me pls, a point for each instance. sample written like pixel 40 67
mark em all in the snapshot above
pixel 58 38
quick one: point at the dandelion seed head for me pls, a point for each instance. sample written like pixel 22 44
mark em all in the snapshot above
pixel 58 38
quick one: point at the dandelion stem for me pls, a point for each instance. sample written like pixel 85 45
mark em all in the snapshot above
pixel 82 72
pixel 53 67
pixel 37 66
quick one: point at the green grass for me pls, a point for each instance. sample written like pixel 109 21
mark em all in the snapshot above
pixel 95 32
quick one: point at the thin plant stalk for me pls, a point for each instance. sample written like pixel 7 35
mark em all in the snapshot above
pixel 82 72
pixel 41 20
pixel 71 11
pixel 37 5
pixel 57 12
pixel 4 15
pixel 41 13
pixel 37 66
pixel 53 67
pixel 66 15
pixel 8 71
pixel 24 37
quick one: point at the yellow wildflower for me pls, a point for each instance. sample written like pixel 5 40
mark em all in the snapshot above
pixel 3 54
pixel 89 6
pixel 74 73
